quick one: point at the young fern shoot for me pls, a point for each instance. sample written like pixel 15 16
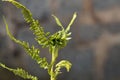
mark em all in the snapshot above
pixel 54 42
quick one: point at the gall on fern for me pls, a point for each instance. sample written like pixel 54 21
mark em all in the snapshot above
pixel 54 42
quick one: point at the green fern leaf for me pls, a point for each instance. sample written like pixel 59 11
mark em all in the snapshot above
pixel 32 51
pixel 61 64
pixel 71 22
pixel 41 36
pixel 20 72
pixel 58 22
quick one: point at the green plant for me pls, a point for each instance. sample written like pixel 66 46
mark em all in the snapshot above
pixel 53 42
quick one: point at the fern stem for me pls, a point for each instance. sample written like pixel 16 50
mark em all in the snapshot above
pixel 54 52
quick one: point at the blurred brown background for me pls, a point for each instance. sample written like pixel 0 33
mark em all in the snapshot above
pixel 94 50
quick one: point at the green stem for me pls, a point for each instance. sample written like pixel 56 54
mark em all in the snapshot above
pixel 54 57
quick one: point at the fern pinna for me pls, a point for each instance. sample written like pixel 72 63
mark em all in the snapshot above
pixel 54 42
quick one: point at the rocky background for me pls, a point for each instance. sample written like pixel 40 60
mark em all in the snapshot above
pixel 94 50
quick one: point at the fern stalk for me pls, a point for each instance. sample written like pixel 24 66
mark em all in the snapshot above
pixel 54 57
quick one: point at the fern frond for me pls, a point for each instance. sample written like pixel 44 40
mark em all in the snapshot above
pixel 61 64
pixel 41 36
pixel 32 51
pixel 71 22
pixel 58 22
pixel 20 72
